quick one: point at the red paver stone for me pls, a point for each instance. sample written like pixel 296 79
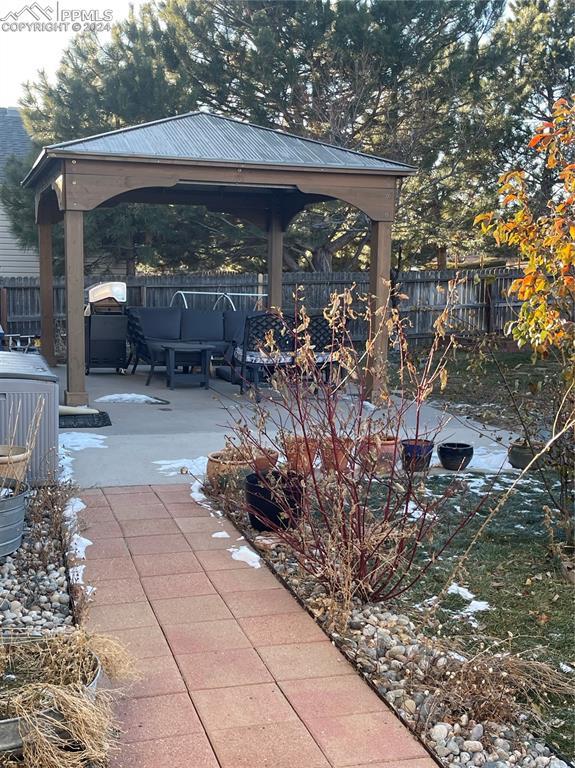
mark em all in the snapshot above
pixel 205 541
pixel 205 636
pixel 190 751
pixel 261 602
pixel 116 591
pixel 157 545
pixel 135 500
pixel 106 549
pixel 106 529
pixel 158 676
pixel 104 618
pixel 148 512
pixel 277 745
pixel 110 569
pixel 364 738
pixel 331 696
pixel 91 493
pixel 157 717
pixel 220 560
pixel 222 669
pixel 165 565
pixel 244 580
pixel 177 585
pixel 204 525
pixel 301 660
pixel 95 515
pixel 143 642
pixel 187 610
pixel 280 629
pixel 184 508
pixel 242 706
pixel 120 490
pixel 149 527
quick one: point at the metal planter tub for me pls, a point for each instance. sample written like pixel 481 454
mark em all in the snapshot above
pixel 12 730
pixel 13 496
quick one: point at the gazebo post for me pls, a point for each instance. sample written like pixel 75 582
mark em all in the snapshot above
pixel 46 292
pixel 76 363
pixel 379 286
pixel 275 259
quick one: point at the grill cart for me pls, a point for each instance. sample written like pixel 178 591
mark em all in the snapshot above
pixel 106 326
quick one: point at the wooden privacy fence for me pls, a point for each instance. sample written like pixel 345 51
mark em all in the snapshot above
pixel 482 307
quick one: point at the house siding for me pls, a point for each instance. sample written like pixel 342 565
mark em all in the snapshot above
pixel 15 261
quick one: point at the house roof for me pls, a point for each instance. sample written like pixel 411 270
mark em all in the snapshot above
pixel 206 137
pixel 13 137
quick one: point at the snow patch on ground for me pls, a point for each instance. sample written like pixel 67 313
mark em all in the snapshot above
pixel 71 510
pixel 70 442
pixel 490 459
pixel 566 667
pixel 128 397
pixel 475 606
pixel 76 574
pixel 455 589
pixel 78 546
pixel 173 467
pixel 246 555
pixel 220 535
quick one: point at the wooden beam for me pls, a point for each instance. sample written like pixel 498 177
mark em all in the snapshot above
pixel 275 260
pixel 76 363
pixel 379 287
pixel 46 292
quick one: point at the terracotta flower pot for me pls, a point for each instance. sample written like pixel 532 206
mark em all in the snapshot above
pixel 300 454
pixel 220 464
pixel 335 454
pixel 378 452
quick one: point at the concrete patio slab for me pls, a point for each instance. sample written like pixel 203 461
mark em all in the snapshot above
pixel 152 443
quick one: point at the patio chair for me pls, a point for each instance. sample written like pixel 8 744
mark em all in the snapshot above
pixel 149 328
pixel 253 360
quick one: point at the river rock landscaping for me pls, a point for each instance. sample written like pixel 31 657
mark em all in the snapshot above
pixel 34 590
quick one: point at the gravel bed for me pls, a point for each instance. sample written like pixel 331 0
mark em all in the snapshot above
pixel 388 650
pixel 34 592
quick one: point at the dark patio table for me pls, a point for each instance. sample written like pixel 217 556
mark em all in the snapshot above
pixel 187 356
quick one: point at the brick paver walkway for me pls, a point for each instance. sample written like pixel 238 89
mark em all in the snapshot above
pixel 235 673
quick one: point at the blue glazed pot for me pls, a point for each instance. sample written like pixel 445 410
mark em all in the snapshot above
pixel 455 456
pixel 416 455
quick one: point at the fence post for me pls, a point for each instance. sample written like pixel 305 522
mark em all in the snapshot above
pixel 4 309
pixel 487 285
pixel 143 295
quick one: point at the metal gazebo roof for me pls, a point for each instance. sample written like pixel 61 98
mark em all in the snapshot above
pixel 203 136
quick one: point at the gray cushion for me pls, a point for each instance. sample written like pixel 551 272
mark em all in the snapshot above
pixel 200 325
pixel 160 322
pixel 234 323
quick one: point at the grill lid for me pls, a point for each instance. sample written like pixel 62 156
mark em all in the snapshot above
pixel 103 291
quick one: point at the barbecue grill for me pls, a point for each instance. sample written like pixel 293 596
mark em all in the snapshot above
pixel 106 326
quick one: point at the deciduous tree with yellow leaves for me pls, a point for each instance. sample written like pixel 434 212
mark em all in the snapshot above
pixel 545 241
pixel 546 320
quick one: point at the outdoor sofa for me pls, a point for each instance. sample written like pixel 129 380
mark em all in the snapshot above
pixel 236 336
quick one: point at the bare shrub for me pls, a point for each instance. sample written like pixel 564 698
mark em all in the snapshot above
pixel 355 521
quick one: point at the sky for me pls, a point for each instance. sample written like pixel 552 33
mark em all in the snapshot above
pixel 25 49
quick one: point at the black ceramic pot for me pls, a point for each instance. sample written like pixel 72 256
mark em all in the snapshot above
pixel 416 455
pixel 273 500
pixel 455 456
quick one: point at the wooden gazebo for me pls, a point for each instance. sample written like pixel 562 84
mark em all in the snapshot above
pixel 258 174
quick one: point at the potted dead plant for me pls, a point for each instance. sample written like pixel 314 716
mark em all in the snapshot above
pixel 50 711
pixel 234 459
